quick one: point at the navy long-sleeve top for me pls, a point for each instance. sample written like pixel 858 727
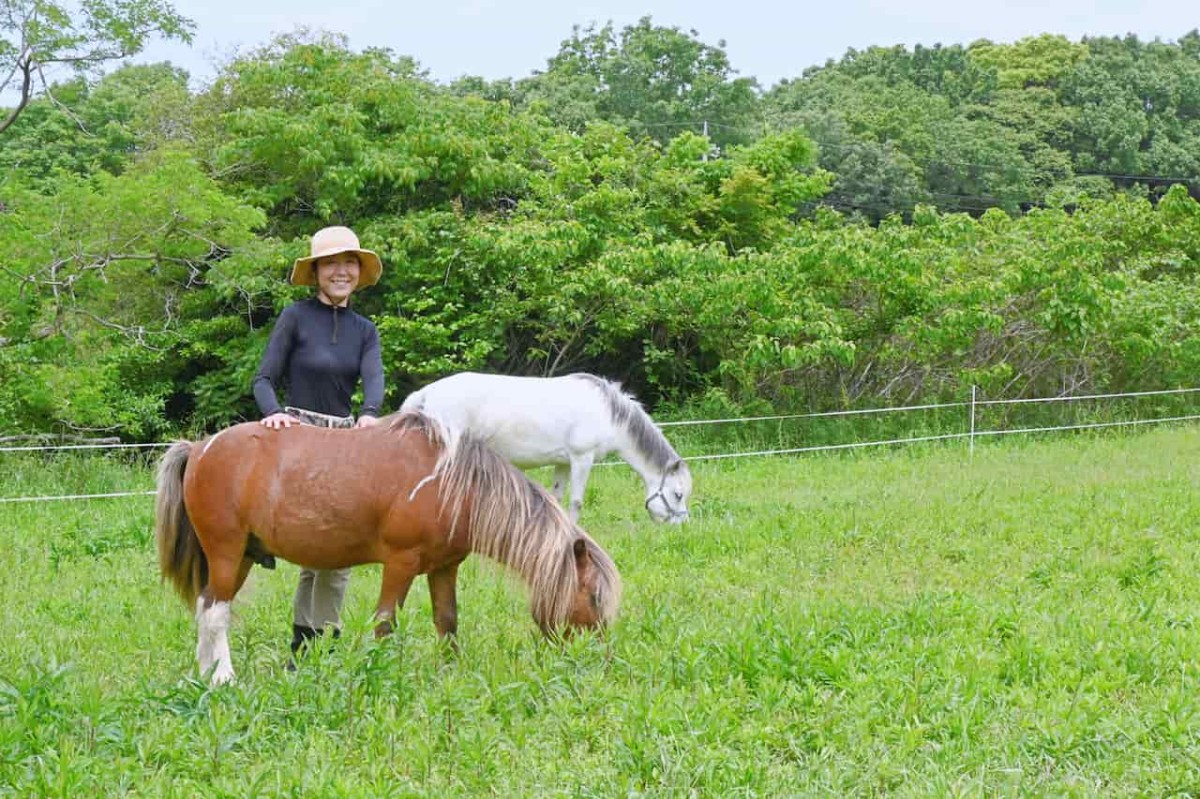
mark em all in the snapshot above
pixel 319 352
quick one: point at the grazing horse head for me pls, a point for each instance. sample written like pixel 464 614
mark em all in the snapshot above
pixel 641 442
pixel 590 600
pixel 667 502
pixel 398 494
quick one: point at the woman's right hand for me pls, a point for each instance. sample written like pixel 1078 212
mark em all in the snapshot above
pixel 278 420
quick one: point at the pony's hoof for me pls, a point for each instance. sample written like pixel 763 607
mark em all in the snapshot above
pixel 222 676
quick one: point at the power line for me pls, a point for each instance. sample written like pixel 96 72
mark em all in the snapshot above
pixel 889 208
pixel 1074 174
pixel 696 126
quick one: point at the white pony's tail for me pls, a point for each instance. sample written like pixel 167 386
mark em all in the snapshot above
pixel 413 402
pixel 447 430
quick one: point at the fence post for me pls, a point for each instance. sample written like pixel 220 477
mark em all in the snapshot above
pixel 971 455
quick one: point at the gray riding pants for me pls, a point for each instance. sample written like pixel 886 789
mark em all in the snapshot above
pixel 320 592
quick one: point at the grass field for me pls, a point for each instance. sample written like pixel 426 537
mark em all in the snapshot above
pixel 902 623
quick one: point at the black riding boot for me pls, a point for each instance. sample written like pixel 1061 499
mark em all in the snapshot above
pixel 301 635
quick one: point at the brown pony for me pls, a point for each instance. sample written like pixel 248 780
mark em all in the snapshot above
pixel 395 494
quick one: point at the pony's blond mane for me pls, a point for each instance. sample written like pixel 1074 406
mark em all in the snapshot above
pixel 514 520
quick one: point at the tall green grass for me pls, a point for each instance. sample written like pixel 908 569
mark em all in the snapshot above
pixel 904 622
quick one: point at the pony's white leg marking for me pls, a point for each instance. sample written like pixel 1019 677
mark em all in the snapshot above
pixel 212 648
pixel 562 471
pixel 581 467
pixel 203 644
pixel 210 442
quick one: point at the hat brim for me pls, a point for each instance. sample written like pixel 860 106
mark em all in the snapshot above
pixel 304 271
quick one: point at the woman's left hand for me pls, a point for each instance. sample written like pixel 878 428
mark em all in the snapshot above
pixel 367 421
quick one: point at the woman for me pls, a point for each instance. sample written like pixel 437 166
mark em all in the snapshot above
pixel 320 349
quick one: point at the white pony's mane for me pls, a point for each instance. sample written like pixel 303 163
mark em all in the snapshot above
pixel 629 415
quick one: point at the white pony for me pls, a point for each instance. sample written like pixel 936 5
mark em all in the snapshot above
pixel 565 421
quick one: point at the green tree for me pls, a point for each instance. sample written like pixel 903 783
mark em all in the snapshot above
pixel 99 275
pixel 1032 61
pixel 892 144
pixel 39 35
pixel 657 81
pixel 1139 109
pixel 102 126
pixel 310 131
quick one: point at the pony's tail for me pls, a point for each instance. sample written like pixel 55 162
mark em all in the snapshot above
pixel 180 558
pixel 442 430
pixel 413 402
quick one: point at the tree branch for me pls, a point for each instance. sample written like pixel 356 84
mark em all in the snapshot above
pixel 26 92
pixel 137 333
pixel 62 107
pixel 16 67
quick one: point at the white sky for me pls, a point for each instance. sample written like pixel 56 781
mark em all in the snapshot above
pixel 766 40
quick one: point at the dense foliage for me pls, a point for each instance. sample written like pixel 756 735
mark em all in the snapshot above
pixel 893 226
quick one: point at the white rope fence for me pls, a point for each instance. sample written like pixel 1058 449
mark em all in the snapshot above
pixel 973 404
pixel 78 496
pixel 1077 397
pixel 50 447
pixel 855 412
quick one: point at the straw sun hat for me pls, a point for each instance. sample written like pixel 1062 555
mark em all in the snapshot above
pixel 334 241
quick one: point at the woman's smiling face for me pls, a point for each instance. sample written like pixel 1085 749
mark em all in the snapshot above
pixel 337 277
